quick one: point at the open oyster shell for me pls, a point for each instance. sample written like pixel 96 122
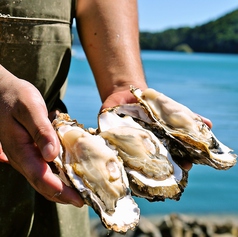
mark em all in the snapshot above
pixel 97 173
pixel 183 132
pixel 151 171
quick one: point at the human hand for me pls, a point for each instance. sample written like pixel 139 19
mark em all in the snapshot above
pixel 118 98
pixel 28 140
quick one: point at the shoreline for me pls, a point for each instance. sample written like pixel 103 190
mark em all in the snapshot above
pixel 176 225
pixel 219 217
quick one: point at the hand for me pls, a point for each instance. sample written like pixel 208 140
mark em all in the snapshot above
pixel 118 98
pixel 207 121
pixel 28 140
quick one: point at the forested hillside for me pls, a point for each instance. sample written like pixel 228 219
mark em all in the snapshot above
pixel 219 36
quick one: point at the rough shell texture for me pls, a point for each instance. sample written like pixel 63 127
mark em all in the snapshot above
pixel 152 172
pixel 186 135
pixel 97 173
pixel 143 142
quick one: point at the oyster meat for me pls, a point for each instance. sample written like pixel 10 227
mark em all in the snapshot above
pixel 183 132
pixel 96 171
pixel 136 148
pixel 151 171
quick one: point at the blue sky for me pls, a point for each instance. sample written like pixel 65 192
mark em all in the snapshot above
pixel 158 15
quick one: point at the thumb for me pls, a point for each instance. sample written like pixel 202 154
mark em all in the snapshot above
pixel 44 136
pixel 34 118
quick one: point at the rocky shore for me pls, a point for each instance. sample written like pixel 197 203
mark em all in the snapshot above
pixel 176 225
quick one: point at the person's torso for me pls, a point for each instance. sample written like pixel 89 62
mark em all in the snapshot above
pixel 35 42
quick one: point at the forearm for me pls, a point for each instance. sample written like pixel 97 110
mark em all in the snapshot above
pixel 109 34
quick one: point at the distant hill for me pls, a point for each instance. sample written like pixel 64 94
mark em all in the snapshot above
pixel 219 36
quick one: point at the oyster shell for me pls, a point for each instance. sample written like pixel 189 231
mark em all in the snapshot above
pixel 183 132
pixel 152 172
pixel 97 173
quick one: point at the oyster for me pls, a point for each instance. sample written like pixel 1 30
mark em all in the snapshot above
pixel 183 132
pixel 151 171
pixel 97 173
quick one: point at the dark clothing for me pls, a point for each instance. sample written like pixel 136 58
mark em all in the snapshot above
pixel 35 45
pixel 35 42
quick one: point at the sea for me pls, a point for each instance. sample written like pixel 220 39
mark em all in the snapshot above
pixel 208 85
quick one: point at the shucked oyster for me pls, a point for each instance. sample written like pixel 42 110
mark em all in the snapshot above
pixel 183 132
pixel 145 135
pixel 97 173
pixel 151 171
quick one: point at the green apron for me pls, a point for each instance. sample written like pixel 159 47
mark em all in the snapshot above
pixel 35 45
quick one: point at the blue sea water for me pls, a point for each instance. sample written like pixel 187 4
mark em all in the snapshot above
pixel 208 85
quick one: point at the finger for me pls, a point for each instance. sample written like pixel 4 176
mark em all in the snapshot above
pixel 207 121
pixel 41 178
pixel 26 157
pixel 57 191
pixel 38 125
pixel 52 115
pixel 185 164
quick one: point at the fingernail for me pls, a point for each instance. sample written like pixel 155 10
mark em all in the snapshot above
pixel 77 203
pixel 47 151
